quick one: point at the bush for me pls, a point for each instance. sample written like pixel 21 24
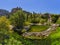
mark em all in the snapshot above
pixel 42 21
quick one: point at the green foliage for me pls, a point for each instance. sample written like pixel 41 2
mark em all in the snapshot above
pixel 18 19
pixel 35 21
pixel 4 24
pixel 42 21
pixel 45 16
pixel 54 18
pixel 58 21
pixel 35 18
pixel 55 37
pixel 12 40
pixel 4 28
pixel 56 34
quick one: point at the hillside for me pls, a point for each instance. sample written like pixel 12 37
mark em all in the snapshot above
pixel 4 12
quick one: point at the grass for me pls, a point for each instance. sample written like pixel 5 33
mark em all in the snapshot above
pixel 55 37
pixel 56 34
pixel 38 28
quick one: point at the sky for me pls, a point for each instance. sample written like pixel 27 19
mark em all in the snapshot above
pixel 39 6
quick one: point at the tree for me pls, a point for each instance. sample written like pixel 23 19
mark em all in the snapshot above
pixel 42 21
pixel 4 28
pixel 47 16
pixel 54 18
pixel 18 20
pixel 35 18
pixel 4 24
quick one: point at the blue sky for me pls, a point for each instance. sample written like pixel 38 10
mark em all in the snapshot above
pixel 51 6
pixel 8 4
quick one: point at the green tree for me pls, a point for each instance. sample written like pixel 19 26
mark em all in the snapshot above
pixel 42 21
pixel 4 28
pixel 4 24
pixel 35 18
pixel 18 19
pixel 45 16
pixel 54 18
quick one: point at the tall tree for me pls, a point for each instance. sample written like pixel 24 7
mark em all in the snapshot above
pixel 18 19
